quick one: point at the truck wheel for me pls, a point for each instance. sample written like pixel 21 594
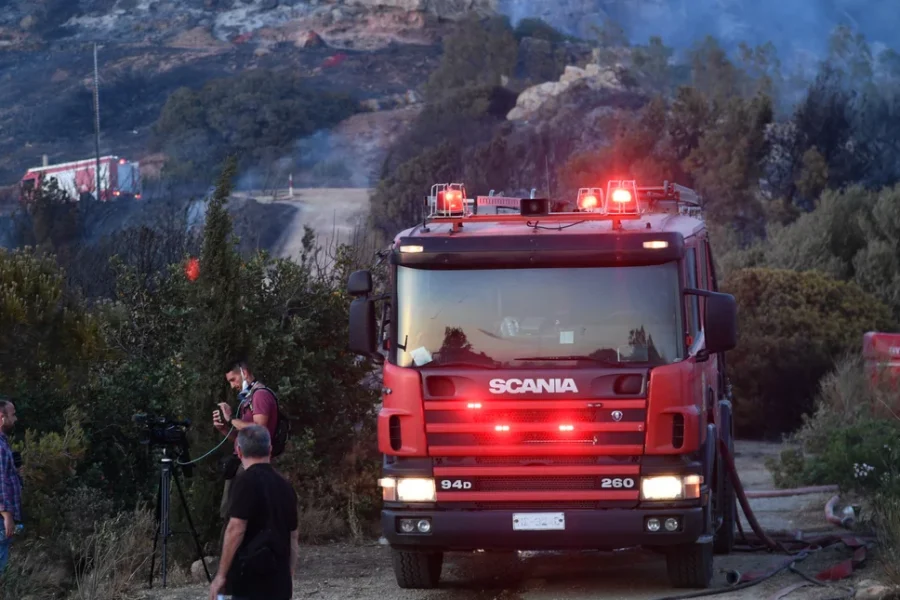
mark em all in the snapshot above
pixel 417 570
pixel 724 538
pixel 690 566
pixel 726 501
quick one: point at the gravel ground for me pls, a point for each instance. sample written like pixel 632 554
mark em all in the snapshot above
pixel 342 571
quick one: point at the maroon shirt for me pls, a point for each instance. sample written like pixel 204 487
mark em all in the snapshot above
pixel 262 402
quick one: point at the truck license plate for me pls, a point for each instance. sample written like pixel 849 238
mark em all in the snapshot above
pixel 539 521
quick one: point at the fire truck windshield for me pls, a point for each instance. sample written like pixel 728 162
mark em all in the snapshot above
pixel 516 317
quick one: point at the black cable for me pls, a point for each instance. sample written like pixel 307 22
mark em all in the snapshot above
pixel 810 579
pixel 731 588
pixel 557 228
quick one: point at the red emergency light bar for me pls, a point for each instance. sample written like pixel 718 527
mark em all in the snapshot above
pixel 622 200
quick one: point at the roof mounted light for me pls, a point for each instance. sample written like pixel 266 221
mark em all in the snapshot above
pixel 620 195
pixel 590 200
pixel 622 198
pixel 448 200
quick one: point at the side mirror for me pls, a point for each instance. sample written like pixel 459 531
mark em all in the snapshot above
pixel 359 283
pixel 362 327
pixel 720 328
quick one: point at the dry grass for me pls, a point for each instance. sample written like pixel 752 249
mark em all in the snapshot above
pixel 887 521
pixel 114 555
pixel 846 395
pixel 319 525
pixel 32 572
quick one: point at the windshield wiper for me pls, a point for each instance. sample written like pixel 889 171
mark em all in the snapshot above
pixel 599 361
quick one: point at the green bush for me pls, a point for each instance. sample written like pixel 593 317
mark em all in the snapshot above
pixel 258 115
pixel 850 405
pixel 852 440
pixel 478 52
pixel 792 327
pixel 539 29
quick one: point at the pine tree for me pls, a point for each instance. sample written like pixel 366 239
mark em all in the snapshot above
pixel 217 334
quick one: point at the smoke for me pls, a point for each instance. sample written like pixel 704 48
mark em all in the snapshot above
pixel 327 158
pixel 798 30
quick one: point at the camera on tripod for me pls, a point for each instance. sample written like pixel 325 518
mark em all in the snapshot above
pixel 167 433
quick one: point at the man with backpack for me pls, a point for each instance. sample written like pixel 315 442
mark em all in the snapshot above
pixel 257 406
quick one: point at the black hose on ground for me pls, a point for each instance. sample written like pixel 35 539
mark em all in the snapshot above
pixel 740 586
pixel 771 544
pixel 767 542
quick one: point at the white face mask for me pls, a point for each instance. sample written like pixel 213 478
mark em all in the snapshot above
pixel 245 385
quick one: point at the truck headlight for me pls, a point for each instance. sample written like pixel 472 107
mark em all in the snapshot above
pixel 407 489
pixel 671 487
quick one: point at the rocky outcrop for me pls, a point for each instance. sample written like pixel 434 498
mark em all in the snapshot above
pixel 593 77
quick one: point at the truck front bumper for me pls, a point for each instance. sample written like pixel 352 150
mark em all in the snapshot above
pixel 601 529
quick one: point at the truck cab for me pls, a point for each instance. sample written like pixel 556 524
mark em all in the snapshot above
pixel 552 379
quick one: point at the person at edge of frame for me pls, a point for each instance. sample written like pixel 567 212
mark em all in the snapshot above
pixel 10 481
pixel 259 552
pixel 263 411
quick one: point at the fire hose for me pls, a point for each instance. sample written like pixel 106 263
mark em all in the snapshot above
pixel 795 546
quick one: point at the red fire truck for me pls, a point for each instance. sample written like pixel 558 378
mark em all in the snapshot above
pixel 552 380
pixel 881 358
pixel 119 179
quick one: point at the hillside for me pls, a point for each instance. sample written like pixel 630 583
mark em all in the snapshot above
pixel 376 50
pixel 45 99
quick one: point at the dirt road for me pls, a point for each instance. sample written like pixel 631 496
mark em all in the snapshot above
pixel 336 214
pixel 339 572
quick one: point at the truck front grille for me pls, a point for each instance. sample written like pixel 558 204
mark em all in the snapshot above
pixel 523 454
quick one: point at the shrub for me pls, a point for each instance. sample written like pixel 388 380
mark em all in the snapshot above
pixel 49 472
pixel 257 115
pixel 46 338
pixel 478 52
pixel 851 441
pixel 847 427
pixel 792 328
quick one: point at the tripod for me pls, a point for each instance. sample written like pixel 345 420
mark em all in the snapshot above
pixel 162 517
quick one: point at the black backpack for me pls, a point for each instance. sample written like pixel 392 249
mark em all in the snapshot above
pixel 282 428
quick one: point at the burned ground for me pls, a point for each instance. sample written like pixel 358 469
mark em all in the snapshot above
pixel 46 96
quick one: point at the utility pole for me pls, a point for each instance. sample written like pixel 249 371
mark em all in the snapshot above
pixel 547 174
pixel 97 118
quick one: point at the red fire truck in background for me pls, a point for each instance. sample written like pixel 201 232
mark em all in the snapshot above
pixel 119 179
pixel 552 380
pixel 881 358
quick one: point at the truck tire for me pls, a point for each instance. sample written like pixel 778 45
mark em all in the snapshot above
pixel 417 570
pixel 724 538
pixel 725 502
pixel 690 565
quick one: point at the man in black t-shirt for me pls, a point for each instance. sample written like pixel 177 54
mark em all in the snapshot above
pixel 259 553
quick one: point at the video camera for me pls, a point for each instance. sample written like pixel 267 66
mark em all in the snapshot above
pixel 166 432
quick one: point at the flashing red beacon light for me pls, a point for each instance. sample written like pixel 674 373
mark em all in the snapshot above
pixel 621 195
pixel 623 198
pixel 449 199
pixel 590 199
pixel 588 202
pixel 452 201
